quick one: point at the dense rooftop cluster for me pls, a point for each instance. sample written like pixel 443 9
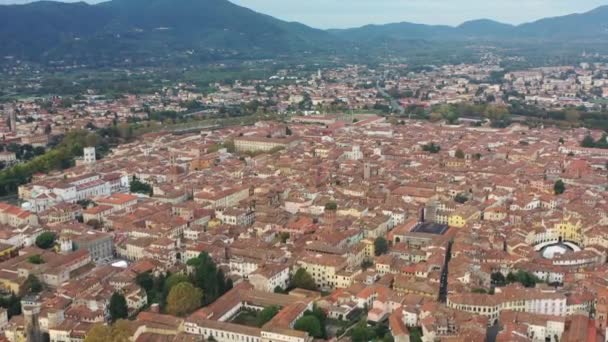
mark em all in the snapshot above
pixel 452 232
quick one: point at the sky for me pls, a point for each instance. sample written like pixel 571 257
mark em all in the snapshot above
pixel 353 13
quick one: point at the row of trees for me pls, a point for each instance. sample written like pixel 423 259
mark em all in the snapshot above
pixel 24 152
pixel 525 278
pixel 181 294
pixel 589 142
pixel 59 158
pixel 499 116
pixel 363 333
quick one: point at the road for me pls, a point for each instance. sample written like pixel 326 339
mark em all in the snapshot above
pixel 443 285
pixel 394 103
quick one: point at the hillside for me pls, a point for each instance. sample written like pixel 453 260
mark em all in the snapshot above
pixel 150 31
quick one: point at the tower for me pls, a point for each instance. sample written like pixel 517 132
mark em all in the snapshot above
pixel 30 306
pixel 12 118
pixel 89 155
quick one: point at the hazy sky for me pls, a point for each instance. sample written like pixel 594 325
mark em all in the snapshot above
pixel 351 13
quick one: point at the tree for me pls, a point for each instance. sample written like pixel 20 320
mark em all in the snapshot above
pixel 380 246
pixel 366 264
pixel 522 277
pixel 588 142
pixel 35 259
pixel 183 299
pixel 46 240
pixel 331 206
pixel 459 154
pixel 118 307
pixel 431 148
pixel 559 187
pixel 208 278
pixel 99 333
pixel 32 285
pixel 137 186
pixel 572 115
pixel 310 324
pixel 303 280
pixel 266 315
pixel 361 333
pixel 173 280
pixel 461 198
pixel 284 236
pixel 498 279
pixel 320 315
pixel 145 280
pixel 288 131
pixel 118 332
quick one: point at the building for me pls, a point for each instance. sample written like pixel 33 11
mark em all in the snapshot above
pixel 264 144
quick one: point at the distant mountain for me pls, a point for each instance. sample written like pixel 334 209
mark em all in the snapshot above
pixel 591 26
pixel 484 27
pixel 150 29
pixel 159 32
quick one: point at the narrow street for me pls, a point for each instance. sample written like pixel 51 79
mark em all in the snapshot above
pixel 443 286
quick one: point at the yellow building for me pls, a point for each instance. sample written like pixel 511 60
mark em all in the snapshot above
pixel 324 269
pixel 370 248
pixel 7 251
pixel 463 215
pixel 569 230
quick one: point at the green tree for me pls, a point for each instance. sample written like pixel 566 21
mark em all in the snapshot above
pixel 137 186
pixel 35 259
pixel 266 315
pixel 173 280
pixel 498 279
pixel 320 315
pixel 46 240
pixel 331 206
pixel 431 148
pixel 461 198
pixel 183 299
pixel 145 280
pixel 310 324
pixel 588 142
pixel 362 333
pixel 32 285
pixel 380 246
pixel 118 307
pixel 303 280
pixel 209 278
pixel 559 187
pixel 366 264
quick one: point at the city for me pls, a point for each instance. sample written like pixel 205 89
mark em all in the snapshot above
pixel 293 202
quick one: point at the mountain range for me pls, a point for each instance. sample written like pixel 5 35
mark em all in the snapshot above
pixel 592 26
pixel 156 31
